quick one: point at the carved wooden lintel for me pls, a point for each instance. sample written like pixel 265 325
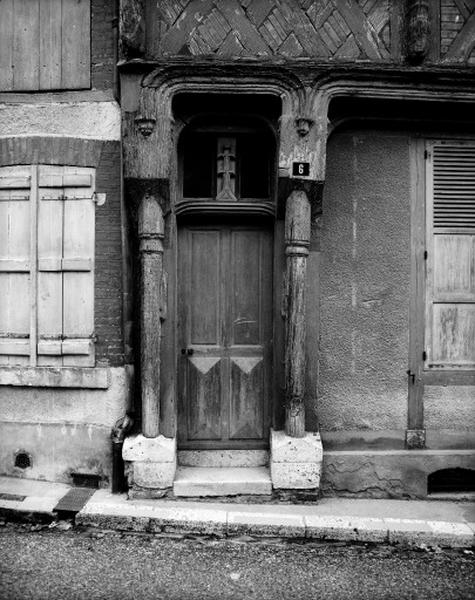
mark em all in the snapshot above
pixel 297 242
pixel 151 233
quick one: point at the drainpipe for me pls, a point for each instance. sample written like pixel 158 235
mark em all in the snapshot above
pixel 119 431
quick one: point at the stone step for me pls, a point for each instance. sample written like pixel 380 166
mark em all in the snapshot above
pixel 222 481
pixel 223 458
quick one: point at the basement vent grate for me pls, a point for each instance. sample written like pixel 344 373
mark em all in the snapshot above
pixel 11 497
pixel 451 481
pixel 454 186
pixel 73 501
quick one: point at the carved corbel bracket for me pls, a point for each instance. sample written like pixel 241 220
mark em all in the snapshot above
pixel 303 125
pixel 418 30
pixel 132 29
pixel 145 124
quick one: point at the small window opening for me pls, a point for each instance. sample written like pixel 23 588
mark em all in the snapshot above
pixel 247 157
pixel 22 460
pixel 451 481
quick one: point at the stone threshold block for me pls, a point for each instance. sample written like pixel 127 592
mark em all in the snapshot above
pixel 150 464
pixel 295 463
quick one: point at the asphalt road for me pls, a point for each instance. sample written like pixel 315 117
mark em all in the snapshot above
pixel 68 565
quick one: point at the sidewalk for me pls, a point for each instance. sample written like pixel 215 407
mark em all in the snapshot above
pixel 430 523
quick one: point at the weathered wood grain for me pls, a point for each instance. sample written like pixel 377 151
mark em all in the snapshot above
pixel 151 233
pixel 297 242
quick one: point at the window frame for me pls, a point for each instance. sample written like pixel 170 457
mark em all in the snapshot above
pixel 73 373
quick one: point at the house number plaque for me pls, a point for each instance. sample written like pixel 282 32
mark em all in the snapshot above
pixel 300 169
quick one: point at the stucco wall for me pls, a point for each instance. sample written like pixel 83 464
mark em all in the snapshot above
pixel 364 284
pixel 449 416
pixel 63 430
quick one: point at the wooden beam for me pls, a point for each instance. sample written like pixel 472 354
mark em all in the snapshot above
pixel 464 43
pixel 297 242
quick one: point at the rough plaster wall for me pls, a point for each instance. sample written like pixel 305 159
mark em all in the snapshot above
pixel 63 430
pixel 93 120
pixel 449 407
pixel 365 276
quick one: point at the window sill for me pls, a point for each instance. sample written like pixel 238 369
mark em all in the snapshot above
pixel 54 377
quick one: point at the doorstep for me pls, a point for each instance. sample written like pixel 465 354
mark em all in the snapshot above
pixel 222 481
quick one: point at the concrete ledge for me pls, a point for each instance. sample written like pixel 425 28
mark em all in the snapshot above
pixel 387 473
pixel 61 377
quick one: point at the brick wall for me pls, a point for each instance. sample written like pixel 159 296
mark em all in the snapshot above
pixel 105 157
pixel 108 289
pixel 103 43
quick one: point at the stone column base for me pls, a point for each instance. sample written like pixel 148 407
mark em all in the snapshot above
pixel 295 463
pixel 150 465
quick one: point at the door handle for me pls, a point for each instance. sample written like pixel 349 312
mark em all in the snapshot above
pixel 187 351
pixel 411 375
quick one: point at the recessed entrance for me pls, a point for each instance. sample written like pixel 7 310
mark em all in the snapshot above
pixel 225 334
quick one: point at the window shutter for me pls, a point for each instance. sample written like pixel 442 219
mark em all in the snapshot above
pixel 44 44
pixel 47 231
pixel 450 318
pixel 15 261
pixel 65 266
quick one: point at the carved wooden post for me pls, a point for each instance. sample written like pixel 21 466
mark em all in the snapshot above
pixel 151 232
pixel 297 242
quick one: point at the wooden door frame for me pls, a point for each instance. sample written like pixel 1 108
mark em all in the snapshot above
pixel 418 376
pixel 247 210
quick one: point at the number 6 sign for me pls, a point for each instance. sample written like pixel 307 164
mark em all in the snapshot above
pixel 300 169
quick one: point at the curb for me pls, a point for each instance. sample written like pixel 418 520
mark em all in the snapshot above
pixel 277 521
pixel 417 523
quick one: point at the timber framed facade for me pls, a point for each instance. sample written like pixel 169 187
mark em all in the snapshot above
pixel 298 243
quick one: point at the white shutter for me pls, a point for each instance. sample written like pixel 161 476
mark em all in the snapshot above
pixel 450 315
pixel 65 265
pixel 50 277
pixel 47 223
pixel 78 273
pixel 15 259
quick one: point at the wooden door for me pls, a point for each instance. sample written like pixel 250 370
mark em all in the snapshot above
pixel 224 336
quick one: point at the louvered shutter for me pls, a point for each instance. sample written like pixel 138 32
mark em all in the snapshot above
pixel 15 265
pixel 47 224
pixel 450 315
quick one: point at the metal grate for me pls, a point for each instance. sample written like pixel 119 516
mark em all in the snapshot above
pixel 73 501
pixel 454 186
pixel 11 497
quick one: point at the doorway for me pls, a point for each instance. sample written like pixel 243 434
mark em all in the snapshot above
pixel 224 335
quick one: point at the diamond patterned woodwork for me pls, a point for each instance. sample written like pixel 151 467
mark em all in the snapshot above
pixel 328 29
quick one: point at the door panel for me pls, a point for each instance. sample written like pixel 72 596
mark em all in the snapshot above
pixel 247 387
pixel 205 258
pixel 225 329
pixel 204 385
